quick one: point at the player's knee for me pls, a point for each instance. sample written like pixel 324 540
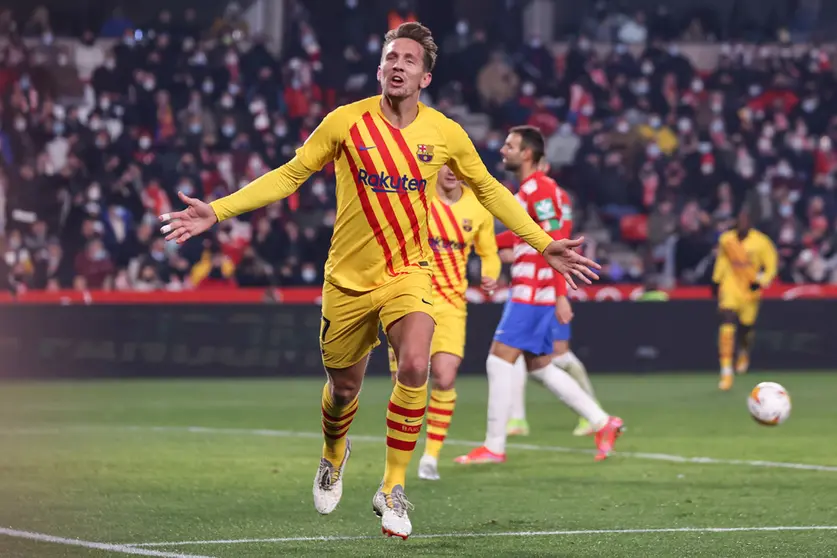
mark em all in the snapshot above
pixel 412 370
pixel 344 390
pixel 444 381
pixel 728 317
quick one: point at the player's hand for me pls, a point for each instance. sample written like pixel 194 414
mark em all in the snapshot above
pixel 755 286
pixel 197 218
pixel 488 285
pixel 569 263
pixel 563 310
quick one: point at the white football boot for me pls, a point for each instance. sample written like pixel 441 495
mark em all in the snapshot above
pixel 428 468
pixel 392 509
pixel 328 483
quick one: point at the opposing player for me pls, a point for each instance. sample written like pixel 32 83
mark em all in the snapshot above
pixel 527 324
pixel 458 223
pixel 386 151
pixel 745 264
pixel 563 356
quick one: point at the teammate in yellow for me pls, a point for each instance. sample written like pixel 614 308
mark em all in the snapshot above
pixel 745 264
pixel 386 151
pixel 457 224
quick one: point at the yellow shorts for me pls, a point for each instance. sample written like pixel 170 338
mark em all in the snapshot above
pixel 746 308
pixel 449 335
pixel 349 328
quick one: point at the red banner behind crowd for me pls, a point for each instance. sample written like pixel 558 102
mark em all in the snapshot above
pixel 312 295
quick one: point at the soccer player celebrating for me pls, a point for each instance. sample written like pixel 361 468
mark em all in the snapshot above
pixel 745 264
pixel 386 151
pixel 458 223
pixel 527 325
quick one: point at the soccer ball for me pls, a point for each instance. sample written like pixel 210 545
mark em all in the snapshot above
pixel 769 404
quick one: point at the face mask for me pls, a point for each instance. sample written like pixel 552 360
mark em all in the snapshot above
pixel 101 143
pixel 208 87
pixel 47 39
pixel 747 172
pixel 280 131
pixel 785 211
pixel 25 82
pixel 493 144
pixel 623 127
pixel 641 88
pixel 784 170
pixel 809 105
pixel 224 165
pixel 228 130
pixel 129 41
pixel 199 59
pixel 148 84
pixel 261 123
pixel 318 189
pixel 104 103
pixel 536 42
pixel 768 132
pixel 58 128
pixel 20 124
pixel 673 50
pixel 764 144
pixel 763 188
pixel 145 142
pixel 684 125
pixel 187 188
pixel 227 102
pixel 256 107
pixel 707 169
pixel 110 64
pixel 705 147
pixel 95 124
pixel 647 68
pixel 195 128
pixel 653 151
pixel 587 110
pixel 697 86
pixel 755 90
pixel 717 126
pixel 99 255
pixel 528 89
pixel 621 49
pixel 654 122
pixel 231 59
pixel 794 196
pixel 796 143
pixel 309 275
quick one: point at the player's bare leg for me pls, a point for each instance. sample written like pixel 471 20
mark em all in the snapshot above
pixel 726 347
pixel 743 343
pixel 566 360
pixel 517 425
pixel 339 405
pixel 410 338
pixel 443 370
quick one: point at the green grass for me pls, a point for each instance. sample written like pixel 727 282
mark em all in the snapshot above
pixel 69 467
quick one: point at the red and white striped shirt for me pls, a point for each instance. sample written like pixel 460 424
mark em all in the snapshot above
pixel 533 280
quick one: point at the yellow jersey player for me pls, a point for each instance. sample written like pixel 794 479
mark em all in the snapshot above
pixel 745 264
pixel 386 151
pixel 457 224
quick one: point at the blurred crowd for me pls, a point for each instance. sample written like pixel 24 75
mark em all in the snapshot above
pixel 658 156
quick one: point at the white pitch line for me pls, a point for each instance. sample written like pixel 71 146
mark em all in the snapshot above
pixel 120 548
pixel 380 439
pixel 503 534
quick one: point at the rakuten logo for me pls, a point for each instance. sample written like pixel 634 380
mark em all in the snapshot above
pixel 389 184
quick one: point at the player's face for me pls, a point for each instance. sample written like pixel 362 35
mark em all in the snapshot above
pixel 402 73
pixel 447 180
pixel 744 223
pixel 512 153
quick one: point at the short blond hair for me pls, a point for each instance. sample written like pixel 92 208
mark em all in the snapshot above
pixel 420 34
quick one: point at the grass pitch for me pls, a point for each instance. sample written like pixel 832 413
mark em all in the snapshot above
pixel 137 462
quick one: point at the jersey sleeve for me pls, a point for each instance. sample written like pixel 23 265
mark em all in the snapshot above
pixel 769 260
pixel 320 148
pixel 467 165
pixel 485 245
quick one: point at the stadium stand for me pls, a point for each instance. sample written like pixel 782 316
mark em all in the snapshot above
pixel 100 131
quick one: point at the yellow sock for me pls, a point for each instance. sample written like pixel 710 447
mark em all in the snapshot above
pixel 336 422
pixel 404 417
pixel 726 345
pixel 439 414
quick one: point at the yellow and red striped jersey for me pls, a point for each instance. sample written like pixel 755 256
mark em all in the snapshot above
pixel 454 230
pixel 386 180
pixel 740 262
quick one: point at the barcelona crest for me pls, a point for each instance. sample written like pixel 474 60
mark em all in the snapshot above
pixel 467 225
pixel 424 153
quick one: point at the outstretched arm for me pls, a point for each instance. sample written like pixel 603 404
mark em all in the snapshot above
pixel 198 217
pixel 467 165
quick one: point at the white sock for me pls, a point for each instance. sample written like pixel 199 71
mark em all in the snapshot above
pixel 517 392
pixel 561 384
pixel 500 375
pixel 575 368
